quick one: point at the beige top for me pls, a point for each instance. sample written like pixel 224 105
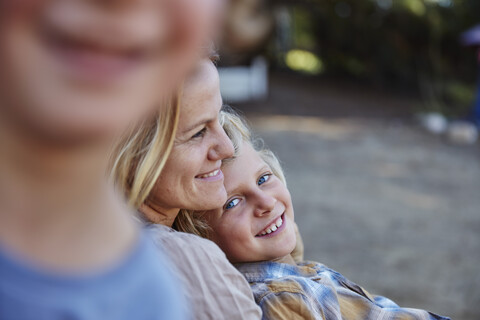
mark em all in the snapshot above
pixel 216 289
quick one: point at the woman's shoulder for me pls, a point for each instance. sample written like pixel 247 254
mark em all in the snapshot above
pixel 184 244
pixel 203 268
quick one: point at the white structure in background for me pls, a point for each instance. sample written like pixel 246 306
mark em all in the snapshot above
pixel 458 132
pixel 245 83
pixel 462 132
pixel 433 122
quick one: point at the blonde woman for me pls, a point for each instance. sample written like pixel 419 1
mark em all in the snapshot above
pixel 190 178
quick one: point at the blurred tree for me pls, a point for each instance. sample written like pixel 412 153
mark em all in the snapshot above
pixel 409 44
pixel 248 28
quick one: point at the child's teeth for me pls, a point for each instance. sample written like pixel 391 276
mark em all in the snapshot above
pixel 273 227
pixel 279 222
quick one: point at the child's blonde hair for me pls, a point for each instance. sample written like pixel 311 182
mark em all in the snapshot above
pixel 238 131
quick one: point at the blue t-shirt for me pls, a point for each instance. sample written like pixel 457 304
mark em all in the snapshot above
pixel 140 287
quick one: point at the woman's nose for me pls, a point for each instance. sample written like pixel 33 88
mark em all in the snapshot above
pixel 265 203
pixel 222 146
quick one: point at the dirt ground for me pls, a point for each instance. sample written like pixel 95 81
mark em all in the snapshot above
pixel 392 207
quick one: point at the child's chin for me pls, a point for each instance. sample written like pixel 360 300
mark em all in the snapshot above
pixel 291 244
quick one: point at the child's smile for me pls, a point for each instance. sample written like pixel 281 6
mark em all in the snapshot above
pixel 274 228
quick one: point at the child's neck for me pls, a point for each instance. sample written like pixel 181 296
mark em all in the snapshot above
pixel 288 259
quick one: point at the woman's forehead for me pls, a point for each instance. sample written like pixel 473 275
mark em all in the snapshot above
pixel 201 92
pixel 204 71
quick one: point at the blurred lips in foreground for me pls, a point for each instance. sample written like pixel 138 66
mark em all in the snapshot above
pixel 99 51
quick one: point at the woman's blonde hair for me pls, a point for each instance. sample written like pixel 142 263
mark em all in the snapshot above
pixel 138 159
pixel 141 154
pixel 238 131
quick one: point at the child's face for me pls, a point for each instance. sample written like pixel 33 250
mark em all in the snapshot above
pixel 72 67
pixel 257 221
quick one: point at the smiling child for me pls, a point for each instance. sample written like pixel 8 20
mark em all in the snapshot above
pixel 256 230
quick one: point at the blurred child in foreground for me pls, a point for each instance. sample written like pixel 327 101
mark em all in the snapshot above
pixel 255 229
pixel 74 75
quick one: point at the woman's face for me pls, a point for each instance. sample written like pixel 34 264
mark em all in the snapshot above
pixel 192 178
pixel 256 223
pixel 71 67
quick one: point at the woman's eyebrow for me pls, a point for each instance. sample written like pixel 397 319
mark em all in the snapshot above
pixel 197 124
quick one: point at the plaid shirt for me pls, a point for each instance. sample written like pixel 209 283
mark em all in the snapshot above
pixel 310 290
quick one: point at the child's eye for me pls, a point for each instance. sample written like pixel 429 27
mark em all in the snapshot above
pixel 232 203
pixel 200 133
pixel 263 179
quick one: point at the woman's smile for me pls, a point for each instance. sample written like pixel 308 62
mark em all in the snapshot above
pixel 214 175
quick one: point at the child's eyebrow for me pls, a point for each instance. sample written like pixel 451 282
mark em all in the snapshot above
pixel 262 168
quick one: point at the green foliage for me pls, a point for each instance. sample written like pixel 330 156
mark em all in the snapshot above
pixel 412 44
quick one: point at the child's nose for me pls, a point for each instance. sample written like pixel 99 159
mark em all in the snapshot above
pixel 265 204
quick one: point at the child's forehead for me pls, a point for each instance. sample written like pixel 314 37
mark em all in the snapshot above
pixel 246 164
pixel 246 156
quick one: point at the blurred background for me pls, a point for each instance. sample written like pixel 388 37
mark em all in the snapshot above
pixel 372 107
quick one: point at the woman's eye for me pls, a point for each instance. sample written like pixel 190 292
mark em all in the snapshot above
pixel 232 204
pixel 200 133
pixel 263 179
